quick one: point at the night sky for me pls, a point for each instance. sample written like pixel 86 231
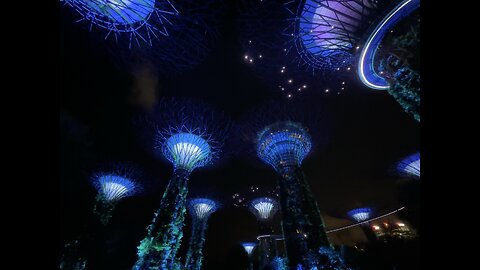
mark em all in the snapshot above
pixel 98 99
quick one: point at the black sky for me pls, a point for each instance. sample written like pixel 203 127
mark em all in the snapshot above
pixel 371 133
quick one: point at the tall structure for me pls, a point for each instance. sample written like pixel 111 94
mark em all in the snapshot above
pixel 120 181
pixel 200 210
pixel 362 215
pixel 283 145
pixel 249 246
pixel 189 135
pixel 410 166
pixel 264 209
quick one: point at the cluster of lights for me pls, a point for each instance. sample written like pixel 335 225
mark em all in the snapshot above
pixel 238 199
pixel 202 208
pixel 283 144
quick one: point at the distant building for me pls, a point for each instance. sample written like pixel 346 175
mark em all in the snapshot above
pixel 389 229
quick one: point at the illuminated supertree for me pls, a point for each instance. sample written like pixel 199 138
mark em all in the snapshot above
pixel 264 209
pixel 283 143
pixel 172 36
pixel 410 166
pixel 249 246
pixel 389 59
pixel 113 185
pixel 311 43
pixel 362 215
pixel 200 210
pixel 189 135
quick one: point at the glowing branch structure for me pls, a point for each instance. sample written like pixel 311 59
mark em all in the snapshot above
pixel 200 210
pixel 325 32
pixel 284 145
pixel 410 166
pixel 360 214
pixel 249 247
pixel 189 135
pixel 137 20
pixel 363 215
pixel 264 209
pixel 112 186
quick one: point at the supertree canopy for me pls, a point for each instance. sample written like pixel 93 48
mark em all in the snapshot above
pixel 120 180
pixel 189 135
pixel 282 140
pixel 264 208
pixel 249 247
pixel 138 20
pixel 283 145
pixel 326 32
pixel 200 210
pixel 360 214
pixel 299 45
pixel 410 166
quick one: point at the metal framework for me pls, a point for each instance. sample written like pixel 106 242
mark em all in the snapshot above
pixel 325 32
pixel 202 208
pixel 360 214
pixel 283 144
pixel 248 246
pixel 264 208
pixel 117 183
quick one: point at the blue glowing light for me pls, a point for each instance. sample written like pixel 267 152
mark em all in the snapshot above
pixel 410 166
pixel 283 144
pixel 142 19
pixel 366 70
pixel 202 208
pixel 360 214
pixel 264 208
pixel 114 187
pixel 187 150
pixel 248 246
pixel 328 29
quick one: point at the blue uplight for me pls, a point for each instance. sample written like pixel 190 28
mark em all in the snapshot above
pixel 410 166
pixel 248 246
pixel 202 208
pixel 114 187
pixel 283 144
pixel 187 151
pixel 360 214
pixel 366 69
pixel 264 208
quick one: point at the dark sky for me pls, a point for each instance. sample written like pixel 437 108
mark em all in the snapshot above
pixel 371 133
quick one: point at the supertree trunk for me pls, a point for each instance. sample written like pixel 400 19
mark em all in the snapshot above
pixel 158 250
pixel 302 224
pixel 197 241
pixel 268 250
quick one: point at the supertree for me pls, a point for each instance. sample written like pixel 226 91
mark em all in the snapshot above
pixel 264 208
pixel 409 166
pixel 249 246
pixel 113 182
pixel 282 141
pixel 362 215
pixel 113 185
pixel 171 36
pixel 299 45
pixel 200 210
pixel 190 135
pixel 390 61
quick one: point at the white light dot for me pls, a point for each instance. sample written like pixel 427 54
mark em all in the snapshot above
pixel 343 82
pixel 326 91
pixel 251 60
pixel 249 41
pixel 246 56
pixel 282 71
pixel 304 86
pixel 358 47
pixel 348 68
pixel 260 56
pixel 338 68
pixel 289 95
